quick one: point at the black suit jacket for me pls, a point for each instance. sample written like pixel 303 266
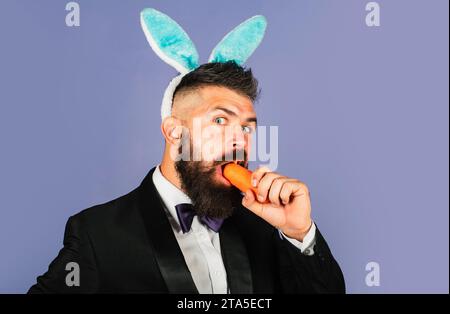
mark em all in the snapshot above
pixel 127 246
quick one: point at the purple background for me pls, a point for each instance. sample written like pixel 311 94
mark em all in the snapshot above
pixel 363 117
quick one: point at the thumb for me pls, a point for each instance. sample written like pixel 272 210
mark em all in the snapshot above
pixel 249 199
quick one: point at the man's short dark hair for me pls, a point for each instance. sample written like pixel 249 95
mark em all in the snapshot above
pixel 227 74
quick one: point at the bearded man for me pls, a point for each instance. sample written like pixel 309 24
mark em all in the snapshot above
pixel 186 228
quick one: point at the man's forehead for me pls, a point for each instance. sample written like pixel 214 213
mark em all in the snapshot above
pixel 215 97
pixel 209 98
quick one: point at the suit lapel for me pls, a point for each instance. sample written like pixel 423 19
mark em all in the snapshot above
pixel 168 254
pixel 235 258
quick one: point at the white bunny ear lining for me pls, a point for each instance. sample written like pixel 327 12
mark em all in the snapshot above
pixel 169 41
pixel 172 44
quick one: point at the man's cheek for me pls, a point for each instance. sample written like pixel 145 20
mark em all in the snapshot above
pixel 212 150
pixel 212 144
pixel 212 132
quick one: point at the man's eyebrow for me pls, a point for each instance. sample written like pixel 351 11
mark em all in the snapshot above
pixel 232 113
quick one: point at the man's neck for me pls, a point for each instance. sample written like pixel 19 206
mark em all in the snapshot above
pixel 169 172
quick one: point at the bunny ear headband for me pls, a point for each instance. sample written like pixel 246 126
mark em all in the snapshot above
pixel 171 43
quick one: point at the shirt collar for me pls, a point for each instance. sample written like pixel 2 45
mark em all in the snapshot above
pixel 170 194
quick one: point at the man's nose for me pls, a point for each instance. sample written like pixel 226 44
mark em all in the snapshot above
pixel 239 141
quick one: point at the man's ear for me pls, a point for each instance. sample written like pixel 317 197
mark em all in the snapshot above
pixel 172 130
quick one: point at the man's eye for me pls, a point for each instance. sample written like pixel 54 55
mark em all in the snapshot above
pixel 247 129
pixel 220 120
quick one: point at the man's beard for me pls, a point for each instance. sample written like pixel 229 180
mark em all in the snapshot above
pixel 208 197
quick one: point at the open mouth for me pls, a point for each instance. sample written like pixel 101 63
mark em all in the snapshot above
pixel 241 163
pixel 220 168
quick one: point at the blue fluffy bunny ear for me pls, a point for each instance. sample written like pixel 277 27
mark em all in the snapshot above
pixel 169 41
pixel 239 44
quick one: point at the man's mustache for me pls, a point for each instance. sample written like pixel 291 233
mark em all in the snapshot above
pixel 240 156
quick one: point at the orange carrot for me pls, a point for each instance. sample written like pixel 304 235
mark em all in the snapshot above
pixel 239 176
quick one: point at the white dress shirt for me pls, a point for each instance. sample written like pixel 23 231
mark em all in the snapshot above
pixel 201 245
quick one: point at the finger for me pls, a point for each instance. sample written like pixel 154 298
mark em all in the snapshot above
pixel 275 190
pixel 264 185
pixel 285 194
pixel 292 189
pixel 249 196
pixel 271 214
pixel 249 201
pixel 258 174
